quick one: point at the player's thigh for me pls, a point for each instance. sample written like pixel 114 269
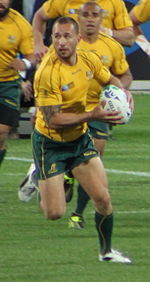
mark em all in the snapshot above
pixel 100 145
pixel 53 195
pixel 92 177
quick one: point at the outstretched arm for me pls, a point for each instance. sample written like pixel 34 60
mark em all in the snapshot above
pixel 39 23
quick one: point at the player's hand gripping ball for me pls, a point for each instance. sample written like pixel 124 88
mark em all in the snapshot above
pixel 116 100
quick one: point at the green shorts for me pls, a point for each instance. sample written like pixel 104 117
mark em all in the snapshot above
pixel 99 129
pixel 9 116
pixel 10 92
pixel 54 157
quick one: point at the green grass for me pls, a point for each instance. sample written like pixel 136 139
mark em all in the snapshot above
pixel 34 249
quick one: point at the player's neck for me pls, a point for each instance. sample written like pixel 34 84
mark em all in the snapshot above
pixel 71 61
pixel 90 38
pixel 3 17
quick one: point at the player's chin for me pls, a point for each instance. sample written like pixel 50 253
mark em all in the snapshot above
pixel 64 54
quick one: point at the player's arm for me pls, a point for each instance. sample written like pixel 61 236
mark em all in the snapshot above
pixel 126 79
pixel 136 23
pixel 55 119
pixel 121 82
pixel 38 23
pixel 124 36
pixel 140 39
pixel 24 64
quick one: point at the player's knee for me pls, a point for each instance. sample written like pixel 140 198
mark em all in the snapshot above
pixel 3 139
pixel 54 214
pixel 103 203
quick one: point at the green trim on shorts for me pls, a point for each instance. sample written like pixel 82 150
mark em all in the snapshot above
pixel 54 157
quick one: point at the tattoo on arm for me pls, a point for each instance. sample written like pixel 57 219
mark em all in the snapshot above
pixel 49 111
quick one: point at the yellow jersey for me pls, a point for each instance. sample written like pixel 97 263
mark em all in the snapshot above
pixel 112 55
pixel 16 37
pixel 142 11
pixel 59 84
pixel 115 12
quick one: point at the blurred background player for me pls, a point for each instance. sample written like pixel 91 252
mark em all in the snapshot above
pixel 17 37
pixel 116 21
pixel 112 55
pixel 140 13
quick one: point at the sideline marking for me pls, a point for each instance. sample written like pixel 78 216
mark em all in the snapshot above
pixel 19 159
pixel 127 212
pixel 134 173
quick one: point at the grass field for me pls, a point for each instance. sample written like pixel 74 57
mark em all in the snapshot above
pixel 34 249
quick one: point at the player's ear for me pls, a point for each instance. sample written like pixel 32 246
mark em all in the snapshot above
pixel 79 37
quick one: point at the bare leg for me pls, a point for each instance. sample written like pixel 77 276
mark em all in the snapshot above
pixel 53 197
pixel 4 131
pixel 82 196
pixel 93 179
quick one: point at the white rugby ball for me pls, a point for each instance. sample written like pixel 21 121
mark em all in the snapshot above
pixel 116 100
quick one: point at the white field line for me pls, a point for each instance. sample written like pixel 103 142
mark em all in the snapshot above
pixel 136 173
pixel 132 212
pixel 116 171
pixel 19 159
pixel 127 212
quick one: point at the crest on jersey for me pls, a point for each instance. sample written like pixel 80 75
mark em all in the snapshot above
pixel 67 86
pixel 11 39
pixel 89 74
pixel 105 13
pixel 73 11
pixel 104 59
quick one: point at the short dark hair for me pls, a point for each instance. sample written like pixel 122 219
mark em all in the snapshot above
pixel 90 3
pixel 65 20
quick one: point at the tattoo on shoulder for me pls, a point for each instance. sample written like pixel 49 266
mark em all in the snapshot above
pixel 49 111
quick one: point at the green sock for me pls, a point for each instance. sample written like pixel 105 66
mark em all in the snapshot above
pixel 104 226
pixel 82 200
pixel 2 155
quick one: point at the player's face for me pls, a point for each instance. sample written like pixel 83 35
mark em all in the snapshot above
pixel 89 19
pixel 65 40
pixel 4 7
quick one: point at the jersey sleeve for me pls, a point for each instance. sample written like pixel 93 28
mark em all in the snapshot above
pixel 101 73
pixel 121 19
pixel 119 64
pixel 47 87
pixel 53 8
pixel 142 11
pixel 26 46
